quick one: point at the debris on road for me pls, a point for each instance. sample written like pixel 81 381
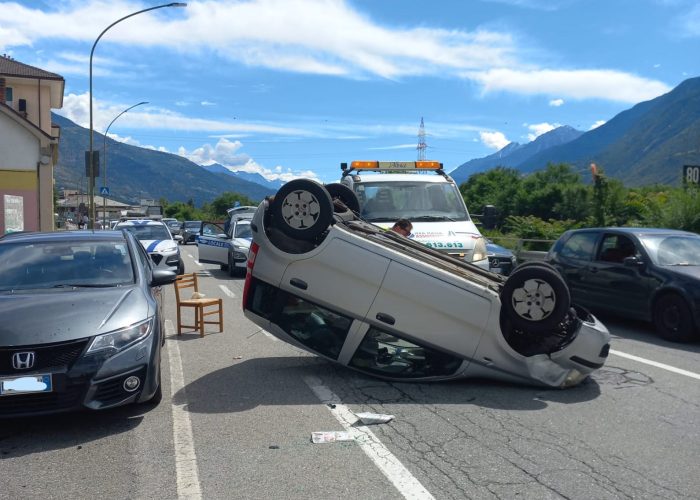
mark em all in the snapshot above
pixel 330 436
pixel 374 418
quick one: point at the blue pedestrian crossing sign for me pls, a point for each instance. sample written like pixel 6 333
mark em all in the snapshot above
pixel 104 191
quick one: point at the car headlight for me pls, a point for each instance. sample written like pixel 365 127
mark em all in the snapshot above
pixel 168 249
pixel 121 339
pixel 479 252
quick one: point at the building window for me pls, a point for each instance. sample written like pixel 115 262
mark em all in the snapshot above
pixel 8 94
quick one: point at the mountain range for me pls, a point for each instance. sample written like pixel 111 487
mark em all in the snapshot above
pixel 134 173
pixel 646 144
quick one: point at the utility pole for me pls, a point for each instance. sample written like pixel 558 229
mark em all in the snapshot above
pixel 422 146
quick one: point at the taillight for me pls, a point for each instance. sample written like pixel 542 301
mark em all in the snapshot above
pixel 252 253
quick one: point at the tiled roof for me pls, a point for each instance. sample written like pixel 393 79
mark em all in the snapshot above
pixel 10 67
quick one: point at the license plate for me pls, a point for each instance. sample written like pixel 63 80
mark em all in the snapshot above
pixel 496 270
pixel 28 384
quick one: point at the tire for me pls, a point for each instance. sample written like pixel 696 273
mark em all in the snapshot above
pixel 231 267
pixel 224 267
pixel 302 209
pixel 673 319
pixel 535 299
pixel 535 263
pixel 345 194
pixel 181 268
pixel 158 396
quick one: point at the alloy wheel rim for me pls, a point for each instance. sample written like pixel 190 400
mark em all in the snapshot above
pixel 535 300
pixel 300 209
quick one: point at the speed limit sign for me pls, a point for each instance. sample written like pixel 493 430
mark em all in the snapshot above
pixel 691 174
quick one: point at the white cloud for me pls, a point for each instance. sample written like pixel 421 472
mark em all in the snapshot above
pixel 494 140
pixel 556 102
pixel 547 5
pixel 574 84
pixel 76 108
pixel 228 154
pixel 207 103
pixel 597 124
pixel 495 59
pixel 537 129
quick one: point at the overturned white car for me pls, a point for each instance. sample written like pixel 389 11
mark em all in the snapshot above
pixel 324 280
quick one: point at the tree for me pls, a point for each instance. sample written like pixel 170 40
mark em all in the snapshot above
pixel 499 187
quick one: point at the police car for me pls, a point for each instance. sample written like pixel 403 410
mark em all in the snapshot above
pixel 158 242
pixel 226 247
pixel 423 193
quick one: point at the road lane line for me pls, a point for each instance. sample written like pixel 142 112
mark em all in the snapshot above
pixel 228 292
pixel 185 457
pixel 190 255
pixel 268 334
pixel 656 364
pixel 390 466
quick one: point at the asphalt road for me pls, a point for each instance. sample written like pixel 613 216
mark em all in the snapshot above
pixel 239 408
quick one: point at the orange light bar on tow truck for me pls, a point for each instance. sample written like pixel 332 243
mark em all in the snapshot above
pixel 396 165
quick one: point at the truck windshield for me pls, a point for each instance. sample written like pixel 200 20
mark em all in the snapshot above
pixel 381 201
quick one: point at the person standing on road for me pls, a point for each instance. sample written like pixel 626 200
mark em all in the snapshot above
pixel 403 227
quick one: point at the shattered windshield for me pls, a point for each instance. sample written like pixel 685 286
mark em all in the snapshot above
pixel 413 200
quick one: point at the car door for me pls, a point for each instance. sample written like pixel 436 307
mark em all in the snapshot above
pixel 213 244
pixel 430 310
pixel 613 286
pixel 572 258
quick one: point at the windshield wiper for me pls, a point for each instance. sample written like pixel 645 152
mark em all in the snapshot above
pixel 83 285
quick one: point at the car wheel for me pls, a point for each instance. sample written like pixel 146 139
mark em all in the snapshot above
pixel 343 193
pixel 181 267
pixel 231 266
pixel 302 209
pixel 535 298
pixel 673 318
pixel 224 267
pixel 536 263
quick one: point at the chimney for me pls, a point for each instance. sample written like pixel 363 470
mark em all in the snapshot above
pixel 2 90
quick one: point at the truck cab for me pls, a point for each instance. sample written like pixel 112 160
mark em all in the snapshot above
pixel 423 193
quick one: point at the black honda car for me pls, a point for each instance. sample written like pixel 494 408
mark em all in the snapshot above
pixel 81 322
pixel 641 273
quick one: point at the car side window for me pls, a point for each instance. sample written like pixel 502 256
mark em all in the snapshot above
pixel 314 326
pixel 615 248
pixel 580 246
pixel 385 354
pixel 211 229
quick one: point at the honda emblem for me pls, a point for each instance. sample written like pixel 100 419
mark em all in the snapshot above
pixel 23 360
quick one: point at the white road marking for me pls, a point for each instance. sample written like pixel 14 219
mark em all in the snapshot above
pixel 228 292
pixel 185 457
pixel 268 334
pixel 198 263
pixel 190 255
pixel 390 466
pixel 656 364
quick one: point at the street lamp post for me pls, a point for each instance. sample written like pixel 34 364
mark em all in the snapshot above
pixel 91 162
pixel 104 159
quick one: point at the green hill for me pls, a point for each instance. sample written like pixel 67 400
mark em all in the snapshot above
pixel 134 173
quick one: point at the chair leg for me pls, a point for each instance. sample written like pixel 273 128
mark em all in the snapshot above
pixel 179 322
pixel 221 316
pixel 201 322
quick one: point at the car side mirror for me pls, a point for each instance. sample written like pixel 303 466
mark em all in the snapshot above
pixel 177 237
pixel 163 277
pixel 632 261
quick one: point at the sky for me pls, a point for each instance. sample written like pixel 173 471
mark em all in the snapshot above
pixel 292 88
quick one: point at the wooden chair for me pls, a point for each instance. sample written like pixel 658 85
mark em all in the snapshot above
pixel 202 307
